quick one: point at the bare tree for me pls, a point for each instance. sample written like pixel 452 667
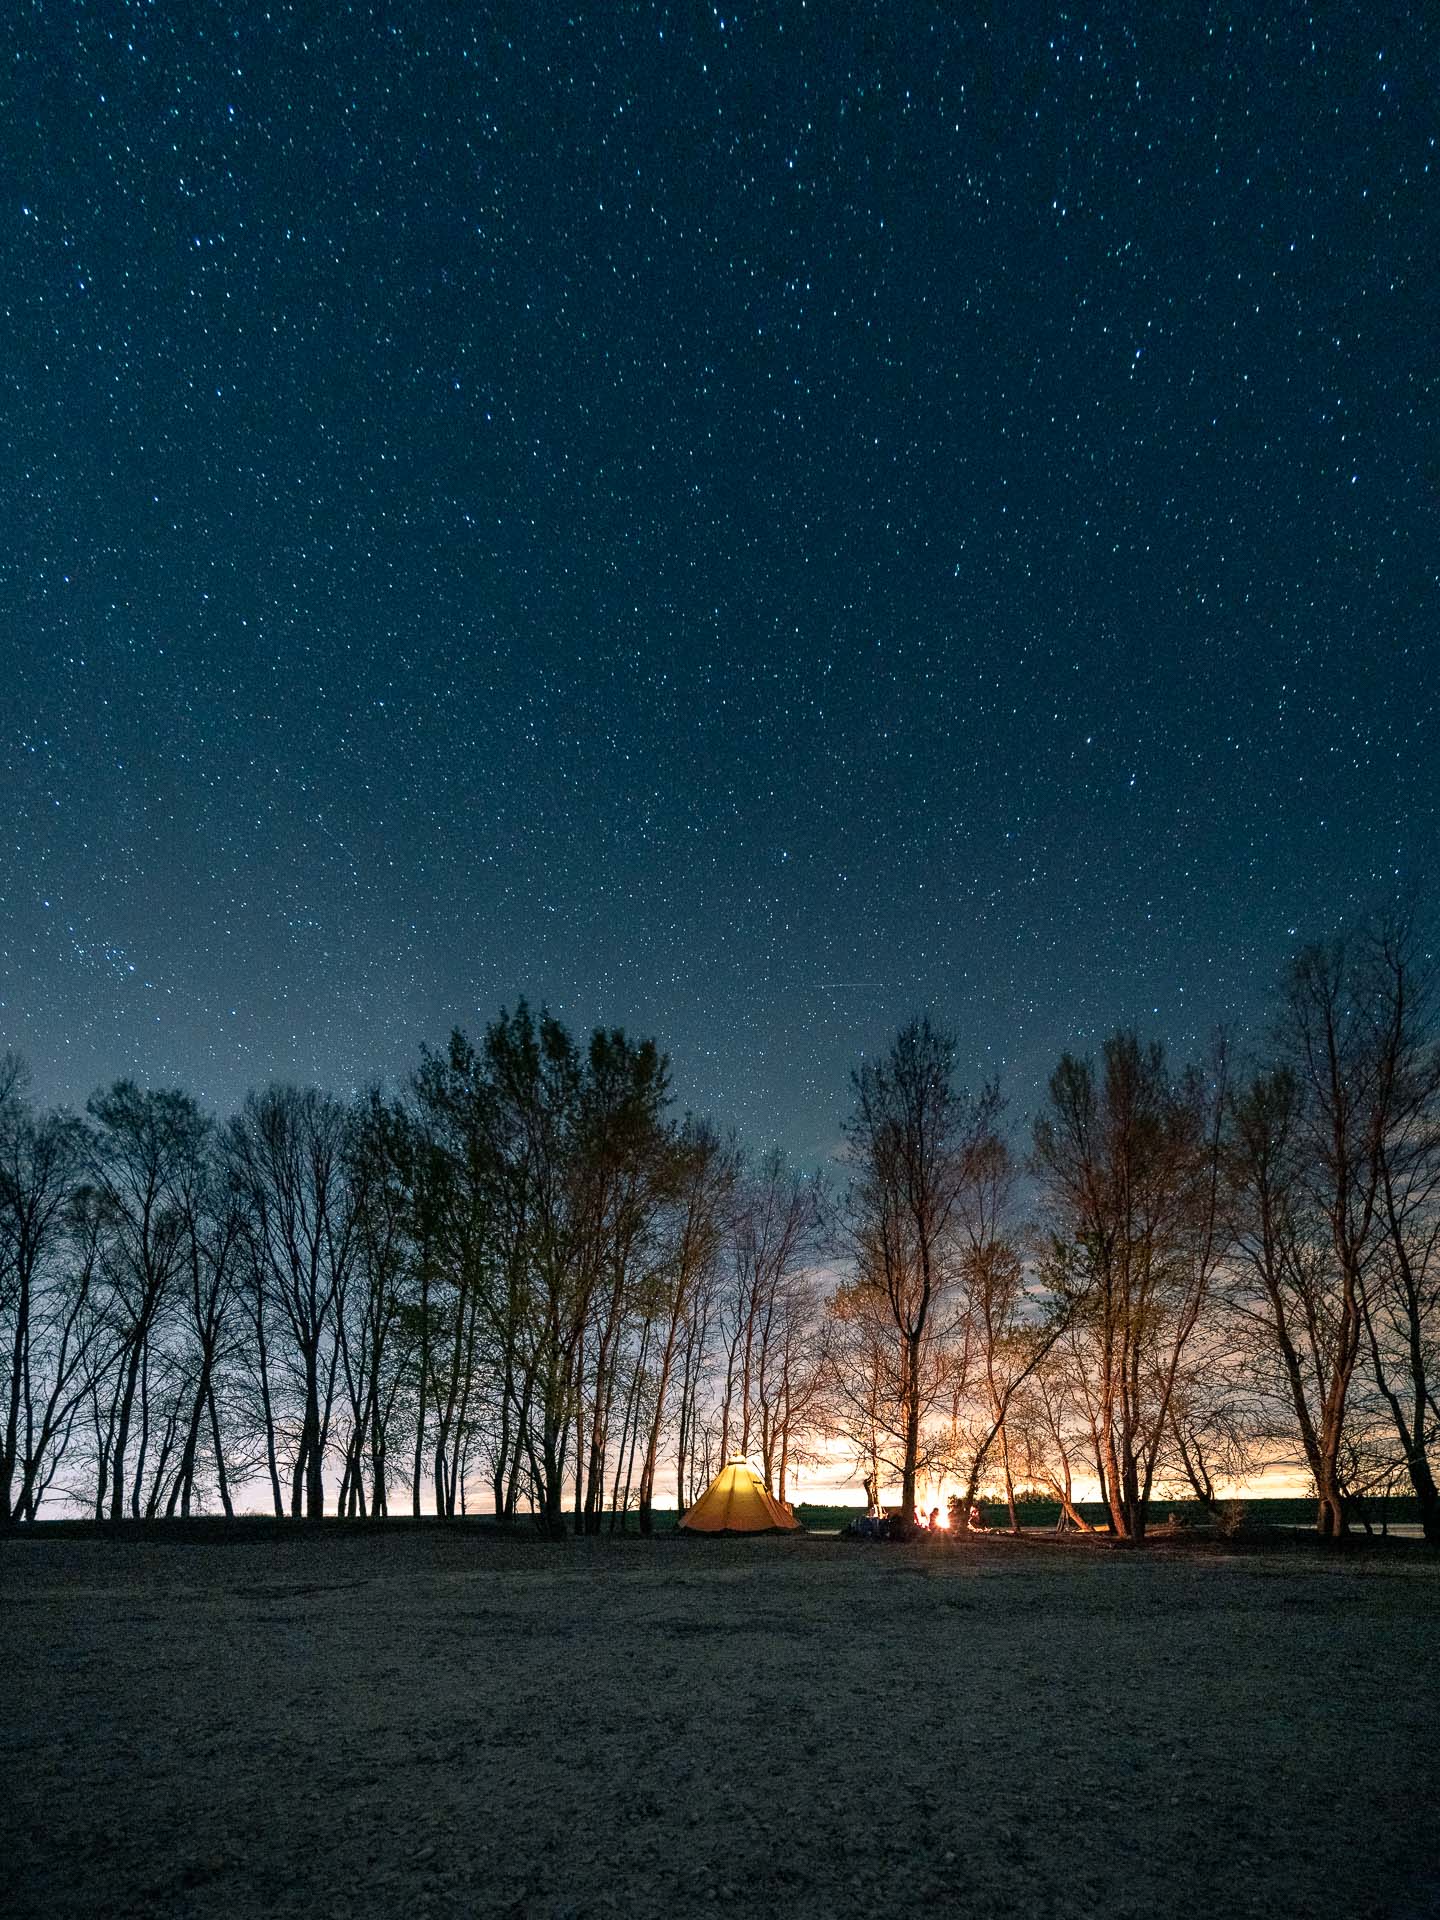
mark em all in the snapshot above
pixel 792 1380
pixel 47 1322
pixel 865 1405
pixel 624 1171
pixel 1400 1294
pixel 1043 1428
pixel 996 1318
pixel 705 1176
pixel 911 1140
pixel 1215 1424
pixel 214 1231
pixel 694 1451
pixel 288 1152
pixel 145 1150
pixel 1331 1177
pixel 1128 1164
pixel 772 1245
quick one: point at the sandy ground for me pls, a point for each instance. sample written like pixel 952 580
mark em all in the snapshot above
pixel 433 1723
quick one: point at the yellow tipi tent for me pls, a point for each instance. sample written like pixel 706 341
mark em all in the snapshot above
pixel 738 1501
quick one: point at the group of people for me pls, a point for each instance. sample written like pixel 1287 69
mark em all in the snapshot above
pixel 937 1523
pixel 876 1524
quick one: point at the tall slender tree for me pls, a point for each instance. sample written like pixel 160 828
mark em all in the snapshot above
pixel 143 1167
pixel 1128 1162
pixel 911 1141
pixel 288 1152
pixel 706 1169
pixel 47 1325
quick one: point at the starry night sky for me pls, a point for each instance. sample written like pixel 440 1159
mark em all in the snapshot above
pixel 743 524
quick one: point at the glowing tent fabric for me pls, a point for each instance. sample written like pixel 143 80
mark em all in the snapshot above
pixel 737 1501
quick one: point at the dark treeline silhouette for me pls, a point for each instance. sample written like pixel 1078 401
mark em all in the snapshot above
pixel 526 1287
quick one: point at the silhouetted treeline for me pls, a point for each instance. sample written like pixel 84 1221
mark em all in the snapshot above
pixel 527 1287
pixel 524 1285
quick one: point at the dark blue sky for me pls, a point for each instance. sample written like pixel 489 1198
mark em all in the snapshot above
pixel 742 524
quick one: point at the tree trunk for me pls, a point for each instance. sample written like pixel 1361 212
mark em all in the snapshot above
pixel 912 1431
pixel 1009 1478
pixel 185 1478
pixel 9 1449
pixel 220 1474
pixel 122 1436
pixel 418 1464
